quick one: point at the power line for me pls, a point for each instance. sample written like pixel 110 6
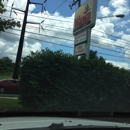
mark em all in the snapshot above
pixel 94 36
pixel 91 45
pixel 73 41
pixel 59 6
pixel 66 39
pixel 20 47
pixel 49 38
pixel 98 31
pixel 94 30
pixel 105 48
pixel 43 17
pixel 111 55
pixel 44 14
pixel 97 36
pixel 39 39
pixel 65 45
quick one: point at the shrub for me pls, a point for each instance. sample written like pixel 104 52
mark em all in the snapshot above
pixel 54 81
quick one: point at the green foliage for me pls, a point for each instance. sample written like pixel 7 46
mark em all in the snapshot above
pixel 6 23
pixel 5 76
pixel 6 66
pixel 54 81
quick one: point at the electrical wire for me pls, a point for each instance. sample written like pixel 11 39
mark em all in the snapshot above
pixel 53 27
pixel 44 14
pixel 58 6
pixel 111 55
pixel 94 36
pixel 49 38
pixel 65 45
pixel 56 9
pixel 65 21
pixel 39 39
pixel 42 17
pixel 97 31
pixel 92 29
pixel 97 37
pixel 72 41
pixel 91 45
pixel 67 39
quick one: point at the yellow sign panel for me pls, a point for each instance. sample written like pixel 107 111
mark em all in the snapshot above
pixel 85 16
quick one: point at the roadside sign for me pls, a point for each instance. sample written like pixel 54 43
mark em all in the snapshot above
pixel 80 49
pixel 80 37
pixel 85 16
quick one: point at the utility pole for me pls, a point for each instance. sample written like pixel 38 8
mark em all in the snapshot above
pixel 20 47
pixel 21 40
pixel 74 3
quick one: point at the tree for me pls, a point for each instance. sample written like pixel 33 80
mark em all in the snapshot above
pixel 6 23
pixel 6 66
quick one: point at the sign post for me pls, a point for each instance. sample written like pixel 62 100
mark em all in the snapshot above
pixel 85 18
pixel 87 49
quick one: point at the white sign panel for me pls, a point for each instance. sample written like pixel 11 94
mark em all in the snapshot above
pixel 80 49
pixel 85 16
pixel 81 37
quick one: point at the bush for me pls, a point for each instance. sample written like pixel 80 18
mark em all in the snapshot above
pixel 54 81
pixel 6 66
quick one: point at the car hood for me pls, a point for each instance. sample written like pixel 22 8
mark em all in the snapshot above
pixel 37 122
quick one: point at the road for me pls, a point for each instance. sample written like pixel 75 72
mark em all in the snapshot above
pixel 9 96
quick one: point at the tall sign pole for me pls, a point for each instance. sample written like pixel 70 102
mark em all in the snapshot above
pixel 79 3
pixel 85 18
pixel 74 3
pixel 87 45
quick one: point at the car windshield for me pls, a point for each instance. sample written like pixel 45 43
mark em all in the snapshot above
pixel 65 56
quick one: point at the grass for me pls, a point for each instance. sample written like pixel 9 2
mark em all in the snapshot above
pixel 5 76
pixel 10 105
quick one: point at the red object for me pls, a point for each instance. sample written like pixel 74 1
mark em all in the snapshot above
pixel 9 86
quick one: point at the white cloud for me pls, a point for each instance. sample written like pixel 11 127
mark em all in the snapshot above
pixel 128 30
pixel 105 11
pixel 31 7
pixel 28 47
pixel 123 24
pixel 120 33
pixel 127 54
pixel 9 43
pixel 119 64
pixel 120 6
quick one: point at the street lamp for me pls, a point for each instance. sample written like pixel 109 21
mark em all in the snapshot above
pixel 119 16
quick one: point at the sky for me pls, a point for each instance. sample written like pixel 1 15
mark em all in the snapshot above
pixel 110 36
